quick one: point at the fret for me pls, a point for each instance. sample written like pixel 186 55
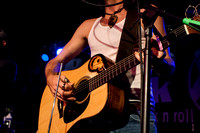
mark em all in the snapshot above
pixel 106 78
pixel 129 64
pixel 112 72
pixel 124 65
pixel 120 69
pixel 109 75
pixel 116 70
pixel 90 86
pixel 93 86
pixel 103 79
pixel 98 82
pixel 133 62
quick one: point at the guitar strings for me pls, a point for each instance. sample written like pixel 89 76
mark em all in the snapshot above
pixel 107 74
pixel 103 74
pixel 94 80
pixel 98 80
pixel 177 32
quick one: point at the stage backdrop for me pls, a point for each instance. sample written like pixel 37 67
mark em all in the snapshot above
pixel 178 97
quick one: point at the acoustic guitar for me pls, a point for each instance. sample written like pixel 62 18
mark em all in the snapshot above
pixel 100 95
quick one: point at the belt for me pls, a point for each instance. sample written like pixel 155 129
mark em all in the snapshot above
pixel 135 107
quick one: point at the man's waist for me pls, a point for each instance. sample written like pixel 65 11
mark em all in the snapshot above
pixel 135 105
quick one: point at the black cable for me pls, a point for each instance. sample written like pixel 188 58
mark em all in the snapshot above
pixel 99 5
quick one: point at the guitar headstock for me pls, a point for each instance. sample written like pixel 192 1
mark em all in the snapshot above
pixel 189 29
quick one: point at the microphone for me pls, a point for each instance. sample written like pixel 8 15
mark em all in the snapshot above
pixel 192 23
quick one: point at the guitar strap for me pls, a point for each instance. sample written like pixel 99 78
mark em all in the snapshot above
pixel 130 37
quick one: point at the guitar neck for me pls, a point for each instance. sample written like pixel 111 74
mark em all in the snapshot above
pixel 172 36
pixel 130 61
pixel 113 71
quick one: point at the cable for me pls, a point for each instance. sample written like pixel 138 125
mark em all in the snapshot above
pixel 99 5
pixel 61 65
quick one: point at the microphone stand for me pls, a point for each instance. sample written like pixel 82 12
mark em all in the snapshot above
pixel 149 17
pixel 145 114
pixel 145 99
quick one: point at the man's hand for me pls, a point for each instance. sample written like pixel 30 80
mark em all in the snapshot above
pixel 65 88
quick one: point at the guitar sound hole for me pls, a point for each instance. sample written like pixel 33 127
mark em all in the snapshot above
pixel 82 90
pixel 74 109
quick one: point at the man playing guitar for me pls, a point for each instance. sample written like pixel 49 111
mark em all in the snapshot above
pixel 103 35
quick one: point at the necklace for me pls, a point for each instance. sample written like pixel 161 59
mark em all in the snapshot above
pixel 113 18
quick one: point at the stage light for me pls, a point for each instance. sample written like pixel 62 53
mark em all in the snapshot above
pixel 59 50
pixel 45 57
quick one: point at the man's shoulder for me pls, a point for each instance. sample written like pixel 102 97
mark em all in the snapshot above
pixel 85 27
pixel 87 24
pixel 90 21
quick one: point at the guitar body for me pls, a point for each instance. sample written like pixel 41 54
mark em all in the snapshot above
pixel 106 102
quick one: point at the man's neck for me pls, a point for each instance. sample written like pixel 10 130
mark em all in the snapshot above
pixel 112 9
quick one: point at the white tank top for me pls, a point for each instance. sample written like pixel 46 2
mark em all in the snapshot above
pixel 105 40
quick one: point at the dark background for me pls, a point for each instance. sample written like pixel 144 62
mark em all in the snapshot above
pixel 35 27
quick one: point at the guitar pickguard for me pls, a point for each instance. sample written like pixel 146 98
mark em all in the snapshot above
pixel 82 94
pixel 73 110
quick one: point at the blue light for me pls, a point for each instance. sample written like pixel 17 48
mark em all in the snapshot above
pixel 59 50
pixel 45 57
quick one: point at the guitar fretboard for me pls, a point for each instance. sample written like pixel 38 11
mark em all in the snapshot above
pixel 173 35
pixel 113 71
